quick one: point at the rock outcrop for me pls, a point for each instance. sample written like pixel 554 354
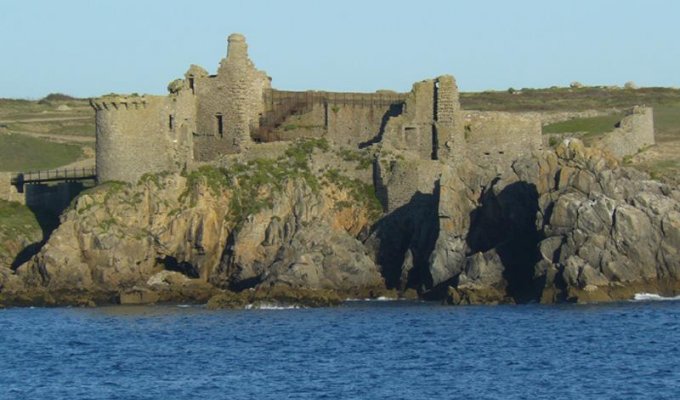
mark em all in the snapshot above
pixel 268 225
pixel 572 225
pixel 563 225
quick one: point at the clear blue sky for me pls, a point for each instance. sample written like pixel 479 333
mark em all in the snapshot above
pixel 89 48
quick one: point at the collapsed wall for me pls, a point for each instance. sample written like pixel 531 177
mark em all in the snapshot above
pixel 8 191
pixel 430 123
pixel 633 133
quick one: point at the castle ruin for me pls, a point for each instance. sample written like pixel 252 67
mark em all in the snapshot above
pixel 205 117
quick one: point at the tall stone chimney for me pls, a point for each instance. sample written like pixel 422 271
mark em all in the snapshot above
pixel 237 48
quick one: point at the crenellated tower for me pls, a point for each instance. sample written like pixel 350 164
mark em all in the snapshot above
pixel 141 134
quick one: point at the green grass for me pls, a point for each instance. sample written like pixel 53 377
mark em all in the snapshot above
pixel 17 219
pixel 363 158
pixel 561 99
pixel 667 121
pixel 590 126
pixel 362 193
pixel 663 170
pixel 17 223
pixel 75 127
pixel 25 153
pixel 17 109
pixel 80 128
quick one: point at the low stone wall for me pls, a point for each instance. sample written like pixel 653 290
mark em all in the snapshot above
pixel 499 138
pixel 634 133
pixel 552 117
pixel 9 192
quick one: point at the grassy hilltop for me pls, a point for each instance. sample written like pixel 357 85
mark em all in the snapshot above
pixel 53 132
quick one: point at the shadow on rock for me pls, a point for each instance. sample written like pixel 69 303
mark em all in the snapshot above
pixel 506 223
pixel 403 241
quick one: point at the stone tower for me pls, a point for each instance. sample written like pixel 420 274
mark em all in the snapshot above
pixel 431 124
pixel 229 104
pixel 449 129
pixel 234 73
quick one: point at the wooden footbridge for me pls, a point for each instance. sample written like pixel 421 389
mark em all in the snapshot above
pixel 53 175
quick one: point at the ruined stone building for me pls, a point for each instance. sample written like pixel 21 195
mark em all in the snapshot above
pixel 207 116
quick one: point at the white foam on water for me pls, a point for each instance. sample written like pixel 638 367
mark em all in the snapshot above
pixel 183 305
pixel 269 306
pixel 381 298
pixel 653 297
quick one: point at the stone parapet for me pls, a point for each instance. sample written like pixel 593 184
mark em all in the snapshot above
pixel 108 103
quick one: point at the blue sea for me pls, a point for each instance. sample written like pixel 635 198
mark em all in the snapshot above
pixel 361 350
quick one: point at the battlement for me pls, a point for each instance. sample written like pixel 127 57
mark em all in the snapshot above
pixel 108 103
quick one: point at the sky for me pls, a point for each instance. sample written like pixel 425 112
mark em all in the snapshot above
pixel 88 48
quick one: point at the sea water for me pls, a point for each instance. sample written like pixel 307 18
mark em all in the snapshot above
pixel 361 350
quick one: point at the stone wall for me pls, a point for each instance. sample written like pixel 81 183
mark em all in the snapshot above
pixel 355 125
pixel 347 119
pixel 498 138
pixel 449 127
pixel 634 133
pixel 551 117
pixel 414 130
pixel 399 182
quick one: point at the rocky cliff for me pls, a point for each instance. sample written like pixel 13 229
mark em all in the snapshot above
pixel 563 225
pixel 260 225
pixel 570 225
pixel 20 235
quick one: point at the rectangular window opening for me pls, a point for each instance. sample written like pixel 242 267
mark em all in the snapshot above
pixel 171 122
pixel 220 125
pixel 191 84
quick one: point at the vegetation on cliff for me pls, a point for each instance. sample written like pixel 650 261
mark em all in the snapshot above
pixel 19 229
pixel 254 184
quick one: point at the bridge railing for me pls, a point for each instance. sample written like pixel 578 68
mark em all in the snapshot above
pixel 274 98
pixel 53 175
